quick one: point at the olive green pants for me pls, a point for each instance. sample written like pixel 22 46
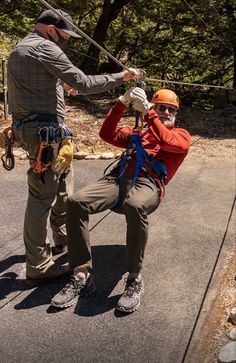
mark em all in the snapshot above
pixel 136 203
pixel 45 204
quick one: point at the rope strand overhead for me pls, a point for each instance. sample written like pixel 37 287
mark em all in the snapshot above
pixel 103 50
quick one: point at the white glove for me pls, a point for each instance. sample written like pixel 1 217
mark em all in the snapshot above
pixel 137 98
pixel 126 98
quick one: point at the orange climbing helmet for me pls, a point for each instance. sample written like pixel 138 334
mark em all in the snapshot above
pixel 166 96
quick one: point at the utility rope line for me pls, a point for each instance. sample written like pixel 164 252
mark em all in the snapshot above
pixel 215 10
pixel 79 31
pixel 207 26
pixel 185 83
pixel 209 281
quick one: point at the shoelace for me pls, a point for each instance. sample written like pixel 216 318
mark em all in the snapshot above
pixel 73 285
pixel 132 287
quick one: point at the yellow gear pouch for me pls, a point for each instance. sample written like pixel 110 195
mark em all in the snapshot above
pixel 62 162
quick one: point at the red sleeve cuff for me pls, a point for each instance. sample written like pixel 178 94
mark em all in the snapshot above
pixel 119 106
pixel 150 116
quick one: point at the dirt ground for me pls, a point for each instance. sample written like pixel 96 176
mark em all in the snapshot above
pixel 213 139
pixel 213 332
pixel 213 131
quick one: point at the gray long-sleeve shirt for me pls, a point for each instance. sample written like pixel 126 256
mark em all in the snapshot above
pixel 37 70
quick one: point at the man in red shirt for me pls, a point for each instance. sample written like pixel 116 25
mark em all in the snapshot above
pixel 132 189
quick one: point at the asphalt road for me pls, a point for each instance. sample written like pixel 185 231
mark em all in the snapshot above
pixel 186 233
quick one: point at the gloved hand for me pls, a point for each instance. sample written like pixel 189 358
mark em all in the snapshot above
pixel 137 99
pixel 61 164
pixel 126 98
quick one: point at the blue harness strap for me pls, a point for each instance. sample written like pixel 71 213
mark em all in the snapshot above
pixel 143 162
pixel 135 145
pixel 157 166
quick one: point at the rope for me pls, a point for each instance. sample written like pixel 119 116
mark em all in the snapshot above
pixel 185 83
pixel 116 60
pixel 206 25
pixel 209 282
pixel 80 32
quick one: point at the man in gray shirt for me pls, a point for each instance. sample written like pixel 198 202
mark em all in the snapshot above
pixel 38 73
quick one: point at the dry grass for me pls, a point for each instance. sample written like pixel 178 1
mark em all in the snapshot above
pixel 212 131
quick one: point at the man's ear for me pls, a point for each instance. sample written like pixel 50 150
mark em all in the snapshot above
pixel 51 31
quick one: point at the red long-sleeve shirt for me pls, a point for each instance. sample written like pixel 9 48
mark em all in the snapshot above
pixel 167 145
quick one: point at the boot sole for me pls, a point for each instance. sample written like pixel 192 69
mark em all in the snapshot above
pixel 67 305
pixel 127 310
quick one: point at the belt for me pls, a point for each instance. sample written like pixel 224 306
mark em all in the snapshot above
pixel 44 117
pixel 40 120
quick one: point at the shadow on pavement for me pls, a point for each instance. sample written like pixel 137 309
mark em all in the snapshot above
pixel 108 269
pixel 39 296
pixel 9 281
pixel 10 261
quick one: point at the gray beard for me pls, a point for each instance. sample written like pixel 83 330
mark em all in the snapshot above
pixel 168 123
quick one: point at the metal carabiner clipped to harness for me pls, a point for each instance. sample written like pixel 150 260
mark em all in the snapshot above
pixel 8 159
pixel 44 156
pixel 138 115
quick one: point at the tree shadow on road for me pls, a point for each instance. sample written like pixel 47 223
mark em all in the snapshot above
pixel 108 269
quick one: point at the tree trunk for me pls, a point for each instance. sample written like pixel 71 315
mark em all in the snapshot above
pixel 109 13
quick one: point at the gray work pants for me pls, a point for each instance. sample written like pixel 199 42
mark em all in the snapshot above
pixel 136 203
pixel 45 201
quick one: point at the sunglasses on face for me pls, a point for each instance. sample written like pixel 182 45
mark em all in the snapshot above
pixel 163 108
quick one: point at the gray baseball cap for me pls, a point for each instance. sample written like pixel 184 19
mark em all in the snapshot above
pixel 49 17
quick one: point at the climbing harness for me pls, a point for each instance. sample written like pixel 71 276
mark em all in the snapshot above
pixel 144 163
pixel 50 139
pixel 8 159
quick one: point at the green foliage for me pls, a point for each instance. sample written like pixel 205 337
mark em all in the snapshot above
pixel 167 38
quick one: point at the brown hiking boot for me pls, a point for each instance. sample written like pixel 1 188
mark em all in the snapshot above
pixel 73 290
pixel 130 300
pixel 53 274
